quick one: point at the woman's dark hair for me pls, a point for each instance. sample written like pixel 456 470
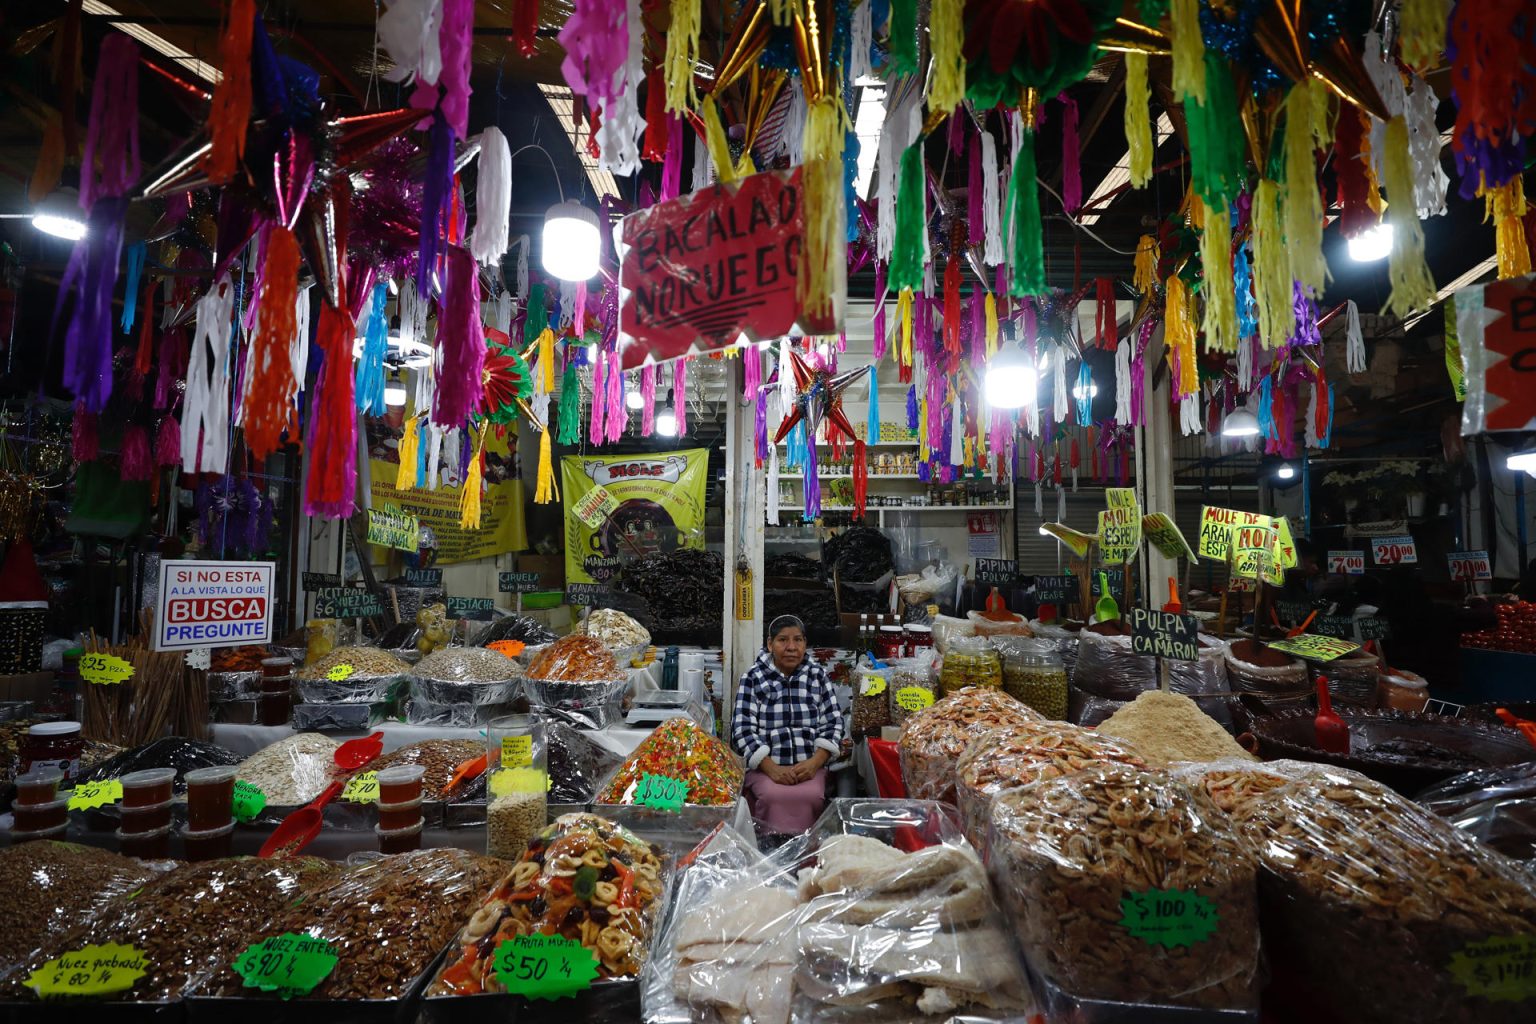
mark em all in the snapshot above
pixel 784 622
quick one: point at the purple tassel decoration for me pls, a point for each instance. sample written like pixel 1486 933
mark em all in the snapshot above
pixel 91 277
pixel 760 427
pixel 812 479
pixel 672 165
pixel 436 203
pixel 978 328
pixel 461 341
pixel 112 138
pixel 135 458
pixel 597 426
pixel 1071 172
pixel 912 408
pixel 752 372
pixel 648 396
pixel 879 321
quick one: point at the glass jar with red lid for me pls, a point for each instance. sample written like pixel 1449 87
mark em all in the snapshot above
pixel 52 745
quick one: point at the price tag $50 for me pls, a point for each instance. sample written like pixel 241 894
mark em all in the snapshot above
pixel 544 966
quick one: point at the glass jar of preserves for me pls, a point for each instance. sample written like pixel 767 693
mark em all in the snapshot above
pixel 52 745
pixel 1033 674
pixel 891 643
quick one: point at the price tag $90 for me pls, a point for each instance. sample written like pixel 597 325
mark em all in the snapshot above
pixel 288 964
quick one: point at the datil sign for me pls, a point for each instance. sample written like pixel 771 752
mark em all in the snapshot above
pixel 213 604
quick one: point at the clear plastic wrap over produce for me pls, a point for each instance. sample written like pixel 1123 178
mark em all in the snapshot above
pixel 1024 752
pixel 933 740
pixel 1128 886
pixel 1107 667
pixel 363 663
pixel 871 702
pixel 513 627
pixel 947 627
pixel 575 658
pixel 170 752
pixel 337 717
pixel 999 623
pixel 189 923
pixel 1393 911
pixel 880 912
pixel 678 749
pixel 224 686
pixel 352 690
pixel 615 630
pixel 1496 806
pixel 1207 674
pixel 292 771
pixel 463 712
pixel 1066 641
pixel 911 684
pixel 388 918
pixel 53 887
pixel 583 877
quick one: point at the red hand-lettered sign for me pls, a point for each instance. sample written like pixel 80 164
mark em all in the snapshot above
pixel 1510 359
pixel 713 265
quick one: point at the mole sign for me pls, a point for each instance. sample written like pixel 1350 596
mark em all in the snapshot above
pixel 703 269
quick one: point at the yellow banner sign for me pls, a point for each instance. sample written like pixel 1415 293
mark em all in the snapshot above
pixel 1119 533
pixel 1077 543
pixel 654 502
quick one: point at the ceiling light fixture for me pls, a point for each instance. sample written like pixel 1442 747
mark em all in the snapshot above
pixel 1240 423
pixel 571 243
pixel 1285 471
pixel 59 215
pixel 634 399
pixel 1010 382
pixel 394 396
pixel 666 419
pixel 1372 245
pixel 1522 461
pixel 1077 392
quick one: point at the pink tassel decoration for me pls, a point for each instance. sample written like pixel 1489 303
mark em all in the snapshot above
pixel 680 395
pixel 579 320
pixel 462 342
pixel 618 418
pixel 672 167
pixel 1071 169
pixel 135 459
pixel 596 427
pixel 879 321
pixel 648 393
pixel 456 38
pixel 168 442
pixel 752 372
pixel 85 444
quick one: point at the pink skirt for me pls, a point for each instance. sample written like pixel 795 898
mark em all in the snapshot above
pixel 788 810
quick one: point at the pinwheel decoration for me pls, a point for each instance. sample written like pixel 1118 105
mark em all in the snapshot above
pixel 818 398
pixel 507 380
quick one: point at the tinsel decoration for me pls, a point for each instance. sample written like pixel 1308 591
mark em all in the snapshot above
pixel 946 34
pixel 205 406
pixel 680 395
pixel 331 446
pixel 618 416
pixel 1506 207
pixel 877 322
pixel 1179 334
pixel 1421 32
pixel 1138 119
pixel 569 426
pixel 89 279
pixel 601 39
pixel 1412 286
pixel 368 389
pixel 436 203
pixel 409 452
pixel 1303 206
pixel 952 311
pixel 270 382
pixel 456 38
pixel 493 198
pixel 135 264
pixel 460 341
pixel 1220 324
pixel 903 37
pixel 168 442
pixel 1026 258
pixel 1352 171
pixel 1189 78
pixel 84 435
pixel 1082 394
pixel 682 54
pixel 230 112
pixel 1123 383
pixel 1144 265
pixel 821 282
pixel 1216 149
pixel 597 416
pixel 474 477
pixel 1071 158
pixel 1271 267
pixel 992 253
pixel 1354 339
pixel 1105 327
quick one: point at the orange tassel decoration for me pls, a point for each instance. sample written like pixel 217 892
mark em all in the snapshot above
pixel 270 366
pixel 231 110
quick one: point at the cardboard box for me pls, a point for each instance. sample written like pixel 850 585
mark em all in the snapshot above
pixel 27 686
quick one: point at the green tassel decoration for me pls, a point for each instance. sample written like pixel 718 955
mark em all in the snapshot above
pixel 907 249
pixel 568 430
pixel 537 317
pixel 1217 158
pixel 904 37
pixel 1026 253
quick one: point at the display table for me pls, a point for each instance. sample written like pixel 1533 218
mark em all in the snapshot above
pixel 246 740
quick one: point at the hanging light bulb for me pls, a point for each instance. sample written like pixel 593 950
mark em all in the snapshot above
pixel 59 215
pixel 1285 471
pixel 394 396
pixel 1079 394
pixel 1240 423
pixel 633 399
pixel 666 419
pixel 1372 244
pixel 571 243
pixel 1522 461
pixel 1010 382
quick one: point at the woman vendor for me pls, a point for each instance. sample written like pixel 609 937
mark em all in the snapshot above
pixel 788 726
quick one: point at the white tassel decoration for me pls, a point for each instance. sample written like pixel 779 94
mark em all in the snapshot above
pixel 1123 383
pixel 520 275
pixel 1061 504
pixel 408 32
pixel 1429 178
pixel 1354 340
pixel 895 135
pixel 1245 347
pixel 773 485
pixel 298 353
pixel 956 433
pixel 567 305
pixel 863 34
pixel 1059 400
pixel 1311 430
pixel 493 198
pixel 792 139
pixel 618 137
pixel 1039 499
pixel 991 203
pixel 1189 413
pixel 205 407
pixel 450 462
pixel 786 390
pixel 702 174
pixel 434 449
pixel 1389 83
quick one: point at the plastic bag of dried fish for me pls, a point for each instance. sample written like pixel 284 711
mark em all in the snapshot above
pixel 387 920
pixel 1130 887
pixel 1393 911
pixel 880 912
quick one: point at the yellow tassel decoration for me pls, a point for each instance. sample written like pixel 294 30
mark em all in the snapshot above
pixel 1220 293
pixel 410 451
pixel 946 89
pixel 825 268
pixel 904 314
pixel 1138 118
pixel 1179 333
pixel 1303 204
pixel 714 139
pixel 1145 265
pixel 990 305
pixel 1421 32
pixel 546 491
pixel 547 359
pixel 1506 206
pixel 469 497
pixel 1272 294
pixel 1373 196
pixel 681 57
pixel 1188 51
pixel 1412 286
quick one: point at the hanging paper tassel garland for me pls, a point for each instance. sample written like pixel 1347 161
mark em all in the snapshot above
pixel 569 426
pixel 906 268
pixel 1354 339
pixel 681 56
pixel 1271 268
pixel 991 203
pixel 205 407
pixel 1412 286
pixel 1506 207
pixel 946 89
pixel 1138 119
pixel 270 383
pixel 493 198
pixel 84 435
pixel 1188 51
pixel 231 110
pixel 1026 260
pixel 1220 323
pixel 1303 206
pixel 369 386
pixel 680 396
pixel 903 37
pixel 461 342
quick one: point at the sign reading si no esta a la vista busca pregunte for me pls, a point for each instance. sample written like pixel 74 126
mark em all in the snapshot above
pixel 213 604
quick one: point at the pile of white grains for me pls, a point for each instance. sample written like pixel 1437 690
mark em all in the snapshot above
pixel 1169 727
pixel 292 771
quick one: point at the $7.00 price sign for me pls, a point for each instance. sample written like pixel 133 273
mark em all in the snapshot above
pixel 544 966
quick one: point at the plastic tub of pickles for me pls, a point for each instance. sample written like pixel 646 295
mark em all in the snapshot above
pixel 677 750
pixel 584 879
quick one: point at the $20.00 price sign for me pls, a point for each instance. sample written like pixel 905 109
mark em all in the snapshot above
pixel 1468 566
pixel 544 966
pixel 1394 551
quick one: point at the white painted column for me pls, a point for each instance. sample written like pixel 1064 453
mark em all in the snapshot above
pixel 744 518
pixel 1154 444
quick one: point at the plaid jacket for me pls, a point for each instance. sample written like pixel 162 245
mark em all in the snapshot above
pixel 787 718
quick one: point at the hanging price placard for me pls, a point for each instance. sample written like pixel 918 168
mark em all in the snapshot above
pixel 1469 566
pixel 1347 563
pixel 248 801
pixel 288 964
pixel 544 966
pixel 103 669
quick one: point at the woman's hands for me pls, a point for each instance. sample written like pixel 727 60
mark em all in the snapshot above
pixel 794 774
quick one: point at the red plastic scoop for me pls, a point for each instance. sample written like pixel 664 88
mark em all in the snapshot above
pixel 353 754
pixel 1332 733
pixel 299 829
pixel 1527 728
